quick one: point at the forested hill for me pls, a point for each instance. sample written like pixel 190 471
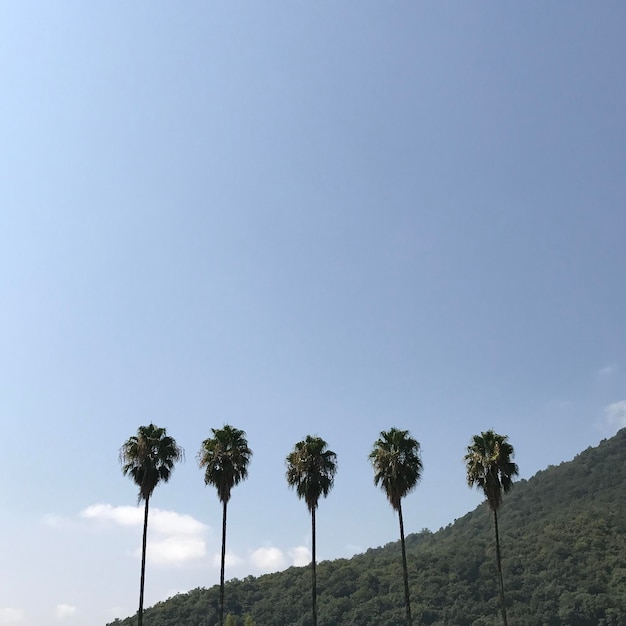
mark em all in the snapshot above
pixel 563 536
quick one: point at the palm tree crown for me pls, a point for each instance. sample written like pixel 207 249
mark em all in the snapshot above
pixel 490 466
pixel 148 458
pixel 311 469
pixel 397 464
pixel 225 457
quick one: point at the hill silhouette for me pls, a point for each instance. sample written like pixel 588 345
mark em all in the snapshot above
pixel 563 536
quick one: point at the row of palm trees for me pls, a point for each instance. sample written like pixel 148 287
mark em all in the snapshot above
pixel 149 458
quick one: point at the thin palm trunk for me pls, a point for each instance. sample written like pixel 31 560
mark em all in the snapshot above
pixel 495 519
pixel 223 562
pixel 143 563
pixel 313 574
pixel 407 598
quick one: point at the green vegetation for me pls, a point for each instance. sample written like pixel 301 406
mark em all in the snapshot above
pixel 311 469
pixel 148 458
pixel 564 539
pixel 225 458
pixel 490 468
pixel 397 470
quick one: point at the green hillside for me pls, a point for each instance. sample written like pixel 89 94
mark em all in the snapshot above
pixel 563 538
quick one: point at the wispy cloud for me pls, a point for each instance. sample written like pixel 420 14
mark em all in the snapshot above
pixel 232 559
pixel 64 611
pixel 615 414
pixel 11 617
pixel 607 370
pixel 176 538
pixel 55 521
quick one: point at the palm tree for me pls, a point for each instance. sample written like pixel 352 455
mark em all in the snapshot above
pixel 148 458
pixel 225 457
pixel 311 469
pixel 397 469
pixel 490 468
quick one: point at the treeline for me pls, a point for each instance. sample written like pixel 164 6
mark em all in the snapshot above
pixel 563 535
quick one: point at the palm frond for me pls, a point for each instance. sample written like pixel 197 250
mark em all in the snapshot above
pixel 490 466
pixel 311 469
pixel 225 458
pixel 397 464
pixel 149 457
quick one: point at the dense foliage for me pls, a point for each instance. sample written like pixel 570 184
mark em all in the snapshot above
pixel 563 538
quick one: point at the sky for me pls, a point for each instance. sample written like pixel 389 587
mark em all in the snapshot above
pixel 324 218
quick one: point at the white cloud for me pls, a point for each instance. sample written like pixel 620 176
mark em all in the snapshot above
pixel 268 560
pixel 160 521
pixel 232 560
pixel 170 522
pixel 175 550
pixel 63 611
pixel 615 414
pixel 121 515
pixel 175 538
pixel 11 617
pixel 300 556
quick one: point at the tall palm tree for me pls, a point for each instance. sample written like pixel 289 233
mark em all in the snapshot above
pixel 397 465
pixel 148 458
pixel 311 469
pixel 490 468
pixel 225 457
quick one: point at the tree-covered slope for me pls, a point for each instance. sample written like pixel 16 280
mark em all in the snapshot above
pixel 563 536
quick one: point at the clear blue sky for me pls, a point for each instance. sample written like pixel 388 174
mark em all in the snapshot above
pixel 298 218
